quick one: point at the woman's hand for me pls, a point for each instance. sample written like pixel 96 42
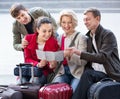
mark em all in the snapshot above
pixel 53 64
pixel 42 64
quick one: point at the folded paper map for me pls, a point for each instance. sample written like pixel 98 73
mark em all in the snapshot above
pixel 50 56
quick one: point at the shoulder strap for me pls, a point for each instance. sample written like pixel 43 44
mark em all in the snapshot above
pixel 73 41
pixel 60 63
pixel 62 42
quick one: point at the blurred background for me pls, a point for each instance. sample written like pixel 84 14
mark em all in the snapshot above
pixel 110 10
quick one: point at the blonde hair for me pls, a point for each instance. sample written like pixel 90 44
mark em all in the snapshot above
pixel 68 12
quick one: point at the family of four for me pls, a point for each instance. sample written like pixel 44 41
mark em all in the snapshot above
pixel 93 57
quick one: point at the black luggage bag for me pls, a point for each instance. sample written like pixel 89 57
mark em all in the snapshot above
pixel 26 70
pixel 29 90
pixel 8 93
pixel 105 89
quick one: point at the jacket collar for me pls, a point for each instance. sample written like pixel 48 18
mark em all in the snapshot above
pixel 97 32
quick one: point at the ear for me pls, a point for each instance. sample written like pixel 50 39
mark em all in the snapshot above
pixel 98 18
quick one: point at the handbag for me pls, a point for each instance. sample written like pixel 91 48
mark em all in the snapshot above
pixel 26 70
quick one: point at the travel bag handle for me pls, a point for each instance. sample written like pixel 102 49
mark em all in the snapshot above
pixel 107 79
pixel 20 71
pixel 73 41
pixel 2 89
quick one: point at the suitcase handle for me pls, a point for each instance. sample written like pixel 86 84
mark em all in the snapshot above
pixel 24 64
pixel 20 71
pixel 107 79
pixel 2 89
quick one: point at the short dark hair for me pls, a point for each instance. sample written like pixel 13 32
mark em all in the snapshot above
pixel 15 9
pixel 94 11
pixel 42 20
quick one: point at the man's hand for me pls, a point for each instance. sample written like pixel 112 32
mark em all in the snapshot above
pixel 24 43
pixel 70 51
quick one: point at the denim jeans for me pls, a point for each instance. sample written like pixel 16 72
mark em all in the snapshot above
pixel 67 78
pixel 88 78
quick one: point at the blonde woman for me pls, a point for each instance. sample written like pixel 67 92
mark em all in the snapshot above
pixel 71 69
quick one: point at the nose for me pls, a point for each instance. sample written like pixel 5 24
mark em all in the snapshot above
pixel 22 18
pixel 48 33
pixel 66 24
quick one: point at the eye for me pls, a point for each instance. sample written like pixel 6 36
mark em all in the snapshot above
pixel 44 31
pixel 18 18
pixel 23 15
pixel 50 31
pixel 63 22
pixel 69 22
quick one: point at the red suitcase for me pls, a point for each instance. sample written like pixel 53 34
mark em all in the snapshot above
pixel 55 91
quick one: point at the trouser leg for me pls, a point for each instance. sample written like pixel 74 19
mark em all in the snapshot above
pixel 87 79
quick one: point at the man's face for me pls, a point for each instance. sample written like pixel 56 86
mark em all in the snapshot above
pixel 23 17
pixel 90 21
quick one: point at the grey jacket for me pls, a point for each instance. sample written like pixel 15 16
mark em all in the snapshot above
pixel 19 30
pixel 108 52
pixel 76 65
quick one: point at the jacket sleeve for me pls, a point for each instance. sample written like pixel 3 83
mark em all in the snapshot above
pixel 81 44
pixel 38 12
pixel 30 54
pixel 107 47
pixel 16 38
pixel 28 57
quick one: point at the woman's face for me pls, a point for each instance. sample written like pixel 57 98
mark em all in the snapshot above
pixel 67 24
pixel 45 31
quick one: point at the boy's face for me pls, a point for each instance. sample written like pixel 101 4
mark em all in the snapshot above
pixel 23 17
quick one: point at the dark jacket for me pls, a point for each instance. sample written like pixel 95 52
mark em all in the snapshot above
pixel 108 52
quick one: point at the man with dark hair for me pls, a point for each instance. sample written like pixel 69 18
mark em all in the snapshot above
pixel 101 56
pixel 24 23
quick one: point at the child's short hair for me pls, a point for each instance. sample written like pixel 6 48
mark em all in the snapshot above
pixel 15 9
